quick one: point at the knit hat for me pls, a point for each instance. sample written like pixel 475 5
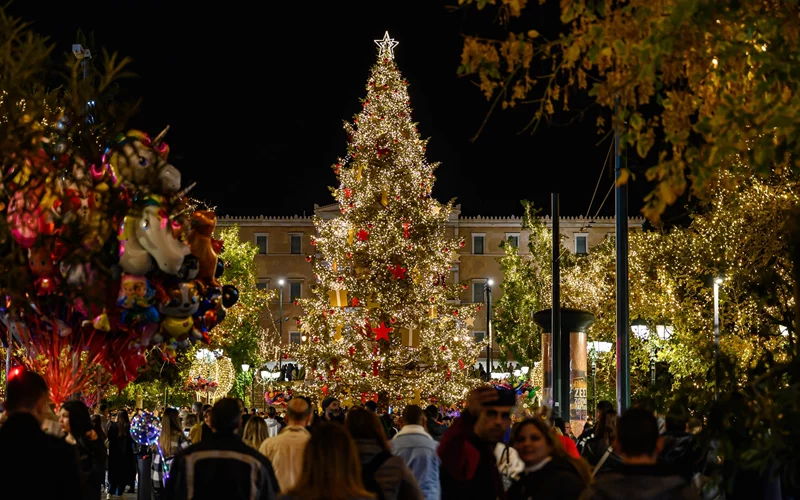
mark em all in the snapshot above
pixel 327 402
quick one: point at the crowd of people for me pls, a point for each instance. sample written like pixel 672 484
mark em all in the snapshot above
pixel 225 451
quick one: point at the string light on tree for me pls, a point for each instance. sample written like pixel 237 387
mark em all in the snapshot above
pixel 384 270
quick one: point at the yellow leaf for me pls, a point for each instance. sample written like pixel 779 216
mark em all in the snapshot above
pixel 533 33
pixel 605 51
pixel 624 174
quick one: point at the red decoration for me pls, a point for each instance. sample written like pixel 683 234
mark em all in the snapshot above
pixel 406 232
pixel 461 363
pixel 313 242
pixel 340 279
pixel 393 320
pixel 347 192
pixel 443 348
pixel 382 332
pixel 370 226
pixel 308 258
pixel 375 366
pixel 349 255
pixel 363 235
pixel 399 272
pixel 354 302
pixel 352 351
pixel 464 287
pixel 446 250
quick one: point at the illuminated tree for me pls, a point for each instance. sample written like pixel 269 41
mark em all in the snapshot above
pixel 739 234
pixel 242 331
pixel 379 320
pixel 695 82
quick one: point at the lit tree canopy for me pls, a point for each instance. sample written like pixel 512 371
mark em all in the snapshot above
pixel 379 320
pixel 739 234
pixel 241 332
pixel 695 81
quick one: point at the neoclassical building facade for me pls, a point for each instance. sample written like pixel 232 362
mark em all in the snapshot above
pixel 283 244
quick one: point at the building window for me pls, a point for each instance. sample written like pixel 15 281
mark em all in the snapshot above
pixel 262 284
pixel 454 270
pixel 478 243
pixel 295 243
pixel 294 337
pixel 581 243
pixel 479 336
pixel 478 287
pixel 262 242
pixel 514 239
pixel 295 290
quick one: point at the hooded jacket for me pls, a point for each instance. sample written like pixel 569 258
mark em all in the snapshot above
pixel 273 427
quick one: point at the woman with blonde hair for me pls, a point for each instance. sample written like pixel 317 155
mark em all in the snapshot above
pixel 171 441
pixel 332 470
pixel 549 471
pixel 255 432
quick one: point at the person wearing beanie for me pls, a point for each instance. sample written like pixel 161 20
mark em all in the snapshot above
pixel 373 407
pixel 331 411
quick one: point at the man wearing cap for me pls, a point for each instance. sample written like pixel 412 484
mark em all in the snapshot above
pixel 469 467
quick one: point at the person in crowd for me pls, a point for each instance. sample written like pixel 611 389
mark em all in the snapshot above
pixel 255 432
pixel 105 416
pixel 390 424
pixel 171 441
pixel 679 453
pixel 639 476
pixel 245 418
pixel 324 478
pixel 469 467
pixel 285 451
pixel 31 458
pixel 188 422
pixel 121 458
pixel 203 429
pixel 588 434
pixel 77 423
pixel 373 407
pixel 197 409
pixel 599 450
pixel 51 425
pixel 97 426
pixel 331 410
pixel 435 428
pixel 549 471
pixel 418 449
pixel 272 423
pixel 567 443
pixel 222 466
pixel 382 472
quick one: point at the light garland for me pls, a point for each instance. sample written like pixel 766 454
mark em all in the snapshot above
pixel 389 260
pixel 738 234
pixel 213 366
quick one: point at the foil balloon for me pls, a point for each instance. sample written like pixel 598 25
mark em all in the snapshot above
pixel 230 296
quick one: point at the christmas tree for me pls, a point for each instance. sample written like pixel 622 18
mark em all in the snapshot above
pixel 382 321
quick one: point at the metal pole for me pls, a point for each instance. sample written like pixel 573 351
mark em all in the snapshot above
pixel 280 321
pixel 555 338
pixel 253 391
pixel 623 320
pixel 653 367
pixel 716 339
pixel 488 292
pixel 594 379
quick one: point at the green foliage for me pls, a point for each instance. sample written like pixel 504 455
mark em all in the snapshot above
pixel 241 332
pixel 691 83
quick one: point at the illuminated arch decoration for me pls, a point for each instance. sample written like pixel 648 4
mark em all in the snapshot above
pixel 213 366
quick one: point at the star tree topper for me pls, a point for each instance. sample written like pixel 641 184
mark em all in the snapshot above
pixel 386 46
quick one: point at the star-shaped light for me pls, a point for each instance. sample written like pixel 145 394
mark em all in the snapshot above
pixel 386 46
pixel 363 235
pixel 399 272
pixel 382 332
pixel 470 321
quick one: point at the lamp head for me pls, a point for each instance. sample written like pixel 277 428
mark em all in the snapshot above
pixel 490 282
pixel 718 281
pixel 245 367
pixel 281 282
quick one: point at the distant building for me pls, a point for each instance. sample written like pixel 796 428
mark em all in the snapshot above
pixel 283 243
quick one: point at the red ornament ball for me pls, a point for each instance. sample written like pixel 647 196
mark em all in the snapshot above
pixel 443 348
pixel 308 258
pixel 392 320
pixel 446 250
pixel 464 287
pixel 350 255
pixel 340 279
pixel 364 374
pixel 461 244
pixel 455 312
pixel 370 226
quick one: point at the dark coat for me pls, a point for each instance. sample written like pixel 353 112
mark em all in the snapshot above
pixel 35 461
pixel 557 480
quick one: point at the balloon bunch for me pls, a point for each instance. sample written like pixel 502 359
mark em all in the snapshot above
pixel 111 245
pixel 145 430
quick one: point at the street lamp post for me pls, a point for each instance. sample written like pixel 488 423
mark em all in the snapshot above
pixel 596 347
pixel 717 283
pixel 488 292
pixel 280 320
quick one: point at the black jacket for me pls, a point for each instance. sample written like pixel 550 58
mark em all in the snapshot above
pixel 557 480
pixel 29 455
pixel 646 482
pixel 221 467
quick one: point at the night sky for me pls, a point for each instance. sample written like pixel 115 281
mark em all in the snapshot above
pixel 256 92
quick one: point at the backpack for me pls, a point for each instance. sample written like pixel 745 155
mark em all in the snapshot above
pixel 368 473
